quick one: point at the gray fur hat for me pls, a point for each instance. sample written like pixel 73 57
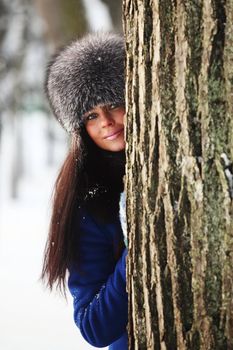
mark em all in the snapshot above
pixel 87 73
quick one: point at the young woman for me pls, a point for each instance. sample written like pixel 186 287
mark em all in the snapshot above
pixel 85 88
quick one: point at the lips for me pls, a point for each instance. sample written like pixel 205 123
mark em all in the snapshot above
pixel 114 135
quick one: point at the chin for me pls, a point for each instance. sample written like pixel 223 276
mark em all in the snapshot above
pixel 118 149
pixel 115 148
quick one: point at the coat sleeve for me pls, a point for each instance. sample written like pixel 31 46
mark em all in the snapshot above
pixel 98 286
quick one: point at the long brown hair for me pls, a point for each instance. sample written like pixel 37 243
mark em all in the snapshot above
pixel 58 251
pixel 71 186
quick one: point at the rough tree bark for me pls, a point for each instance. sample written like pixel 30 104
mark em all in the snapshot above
pixel 179 173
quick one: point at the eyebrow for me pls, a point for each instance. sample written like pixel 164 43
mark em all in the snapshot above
pixel 88 113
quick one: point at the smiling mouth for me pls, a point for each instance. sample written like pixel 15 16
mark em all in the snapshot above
pixel 114 135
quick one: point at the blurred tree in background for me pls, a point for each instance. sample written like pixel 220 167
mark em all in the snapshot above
pixel 22 56
pixel 115 9
pixel 65 20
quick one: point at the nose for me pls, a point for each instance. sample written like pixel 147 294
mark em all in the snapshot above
pixel 106 118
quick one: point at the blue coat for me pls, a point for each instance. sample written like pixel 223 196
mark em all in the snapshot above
pixel 98 284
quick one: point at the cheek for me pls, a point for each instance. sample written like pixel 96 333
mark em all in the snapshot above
pixel 121 117
pixel 91 131
pixel 92 134
pixel 124 119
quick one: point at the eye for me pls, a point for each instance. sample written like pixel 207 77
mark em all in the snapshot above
pixel 90 117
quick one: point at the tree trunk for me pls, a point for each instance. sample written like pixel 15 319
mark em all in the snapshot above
pixel 179 179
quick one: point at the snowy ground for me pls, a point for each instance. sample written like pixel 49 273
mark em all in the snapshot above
pixel 30 316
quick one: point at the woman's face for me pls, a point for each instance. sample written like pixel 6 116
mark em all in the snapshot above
pixel 105 126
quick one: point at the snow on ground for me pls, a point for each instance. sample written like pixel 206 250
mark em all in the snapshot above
pixel 30 316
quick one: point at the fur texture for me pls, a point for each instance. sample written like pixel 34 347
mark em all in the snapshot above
pixel 122 215
pixel 87 73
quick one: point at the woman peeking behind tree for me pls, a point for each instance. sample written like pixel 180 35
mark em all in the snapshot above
pixel 85 88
